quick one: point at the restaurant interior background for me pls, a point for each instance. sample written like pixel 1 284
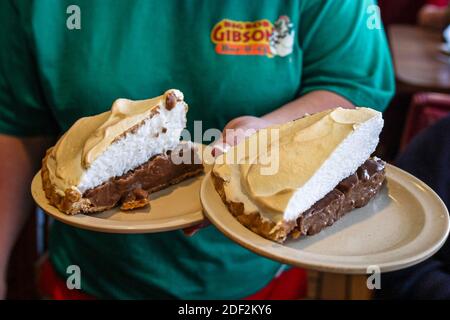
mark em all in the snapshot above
pixel 422 97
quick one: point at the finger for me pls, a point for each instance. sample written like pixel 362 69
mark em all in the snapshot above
pixel 229 138
pixel 219 147
pixel 234 136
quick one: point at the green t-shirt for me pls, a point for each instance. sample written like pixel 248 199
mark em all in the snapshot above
pixel 230 58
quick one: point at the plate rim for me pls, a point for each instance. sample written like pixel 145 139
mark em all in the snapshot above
pixel 444 48
pixel 345 268
pixel 84 221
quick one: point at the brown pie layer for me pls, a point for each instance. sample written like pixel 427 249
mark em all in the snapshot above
pixel 353 192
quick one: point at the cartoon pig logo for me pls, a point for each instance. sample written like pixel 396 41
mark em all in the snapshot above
pixel 282 39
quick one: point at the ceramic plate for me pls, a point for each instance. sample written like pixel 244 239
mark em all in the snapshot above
pixel 403 225
pixel 175 207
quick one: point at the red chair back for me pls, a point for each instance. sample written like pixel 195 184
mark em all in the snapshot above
pixel 425 110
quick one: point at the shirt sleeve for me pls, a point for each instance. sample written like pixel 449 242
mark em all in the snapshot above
pixel 345 51
pixel 23 110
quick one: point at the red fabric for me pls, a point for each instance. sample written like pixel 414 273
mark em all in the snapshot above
pixel 425 110
pixel 290 285
pixel 51 286
pixel 440 3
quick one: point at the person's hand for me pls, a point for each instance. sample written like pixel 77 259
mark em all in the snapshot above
pixel 233 133
pixel 236 130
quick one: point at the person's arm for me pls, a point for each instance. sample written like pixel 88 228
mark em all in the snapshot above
pixel 25 119
pixel 345 62
pixel 310 103
pixel 20 161
pixel 313 102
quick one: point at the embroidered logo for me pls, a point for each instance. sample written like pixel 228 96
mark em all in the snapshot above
pixel 259 37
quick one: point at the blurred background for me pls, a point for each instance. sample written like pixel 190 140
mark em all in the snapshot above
pixel 416 30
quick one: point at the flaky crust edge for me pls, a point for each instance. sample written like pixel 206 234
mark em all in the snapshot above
pixel 71 202
pixel 253 221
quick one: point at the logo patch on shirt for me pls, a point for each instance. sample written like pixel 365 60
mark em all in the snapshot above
pixel 259 37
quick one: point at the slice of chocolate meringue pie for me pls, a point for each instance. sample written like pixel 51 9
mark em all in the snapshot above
pixel 300 177
pixel 120 156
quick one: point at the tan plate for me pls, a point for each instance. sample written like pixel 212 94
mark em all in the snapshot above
pixel 444 48
pixel 403 225
pixel 175 207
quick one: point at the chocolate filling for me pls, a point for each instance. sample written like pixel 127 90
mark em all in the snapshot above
pixel 353 192
pixel 156 174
